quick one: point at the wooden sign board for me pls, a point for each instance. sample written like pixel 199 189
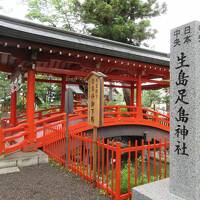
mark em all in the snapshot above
pixel 96 98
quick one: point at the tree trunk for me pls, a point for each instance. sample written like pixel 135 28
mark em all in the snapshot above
pixel 127 95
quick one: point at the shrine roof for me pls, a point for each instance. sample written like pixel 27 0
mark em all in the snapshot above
pixel 29 31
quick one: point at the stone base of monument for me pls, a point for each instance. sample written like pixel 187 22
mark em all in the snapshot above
pixel 158 190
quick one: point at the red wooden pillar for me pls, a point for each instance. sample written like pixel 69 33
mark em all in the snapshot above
pixel 63 89
pixel 139 97
pixel 30 110
pixel 132 94
pixel 13 108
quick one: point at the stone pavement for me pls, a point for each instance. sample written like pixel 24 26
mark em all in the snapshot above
pixel 45 182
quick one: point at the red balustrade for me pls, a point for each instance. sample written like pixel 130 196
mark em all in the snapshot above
pixel 5 122
pixel 14 138
pixel 54 125
pixel 122 115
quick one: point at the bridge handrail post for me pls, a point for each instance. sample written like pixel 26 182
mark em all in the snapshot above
pixel 155 116
pixel 118 171
pixel 139 113
pixel 39 115
pixel 118 111
pixel 1 142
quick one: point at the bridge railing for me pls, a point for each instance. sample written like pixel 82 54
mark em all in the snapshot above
pixel 49 128
pixel 109 111
pixel 126 114
pixel 120 111
pixel 53 140
pixel 156 117
pixel 20 119
pixel 14 138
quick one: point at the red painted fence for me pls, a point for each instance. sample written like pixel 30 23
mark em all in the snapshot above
pixel 118 168
pixel 54 141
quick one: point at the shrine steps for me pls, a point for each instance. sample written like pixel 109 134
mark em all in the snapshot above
pixel 22 159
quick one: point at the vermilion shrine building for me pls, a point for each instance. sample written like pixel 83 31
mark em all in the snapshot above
pixel 31 49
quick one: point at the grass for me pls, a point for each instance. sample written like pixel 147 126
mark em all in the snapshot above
pixel 124 179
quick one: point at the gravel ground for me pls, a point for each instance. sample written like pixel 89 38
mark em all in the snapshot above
pixel 46 182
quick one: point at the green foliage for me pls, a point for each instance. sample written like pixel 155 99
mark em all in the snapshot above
pixel 4 92
pixel 4 87
pixel 124 179
pixel 151 97
pixel 124 21
pixel 166 98
pixel 46 94
pixel 140 180
pixel 119 100
pixel 56 13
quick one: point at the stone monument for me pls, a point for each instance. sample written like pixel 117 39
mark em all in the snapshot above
pixel 184 181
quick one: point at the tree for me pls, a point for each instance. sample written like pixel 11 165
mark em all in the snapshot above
pixel 56 13
pixel 47 94
pixel 4 92
pixel 120 20
pixel 150 98
pixel 126 21
pixel 166 98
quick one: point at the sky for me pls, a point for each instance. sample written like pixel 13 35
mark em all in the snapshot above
pixel 179 12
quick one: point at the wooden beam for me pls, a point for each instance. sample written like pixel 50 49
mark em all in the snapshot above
pixel 156 81
pixel 117 86
pixel 21 50
pixel 12 42
pixel 82 74
pixel 120 78
pixel 46 81
pixel 6 68
pixel 61 71
pixel 22 54
pixel 154 87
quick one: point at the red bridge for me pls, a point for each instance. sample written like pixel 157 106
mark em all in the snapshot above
pixel 54 122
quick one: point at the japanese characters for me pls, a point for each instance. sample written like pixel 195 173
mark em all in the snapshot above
pixel 182 115
pixel 185 111
pixel 182 37
pixel 95 98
